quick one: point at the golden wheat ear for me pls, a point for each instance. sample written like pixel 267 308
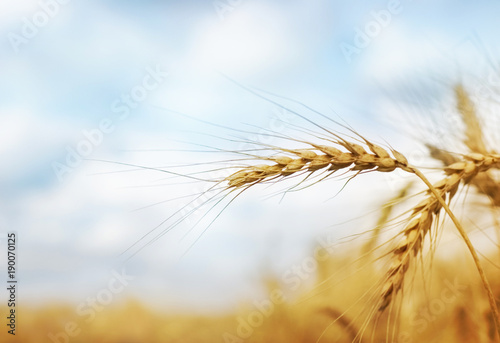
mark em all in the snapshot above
pixel 485 183
pixel 422 218
pixel 474 139
pixel 319 157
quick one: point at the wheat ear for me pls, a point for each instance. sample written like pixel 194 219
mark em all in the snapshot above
pixel 473 133
pixel 474 140
pixel 485 182
pixel 319 157
pixel 422 219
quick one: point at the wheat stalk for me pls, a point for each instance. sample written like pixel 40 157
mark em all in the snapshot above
pixel 423 216
pixel 378 159
pixel 344 322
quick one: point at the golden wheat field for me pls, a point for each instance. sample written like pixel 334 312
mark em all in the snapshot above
pixel 249 171
pixel 454 311
pixel 453 308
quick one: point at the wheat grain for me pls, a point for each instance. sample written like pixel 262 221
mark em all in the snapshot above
pixel 317 158
pixel 484 182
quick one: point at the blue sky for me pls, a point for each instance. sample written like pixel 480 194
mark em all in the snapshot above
pixel 88 55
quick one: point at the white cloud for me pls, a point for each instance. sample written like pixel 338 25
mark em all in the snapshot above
pixel 10 8
pixel 252 38
pixel 398 54
pixel 26 137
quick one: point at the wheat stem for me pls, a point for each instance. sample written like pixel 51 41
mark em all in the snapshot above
pixel 471 248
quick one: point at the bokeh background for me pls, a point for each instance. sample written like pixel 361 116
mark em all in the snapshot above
pixel 66 67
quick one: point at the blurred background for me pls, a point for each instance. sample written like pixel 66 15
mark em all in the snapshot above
pixel 89 89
